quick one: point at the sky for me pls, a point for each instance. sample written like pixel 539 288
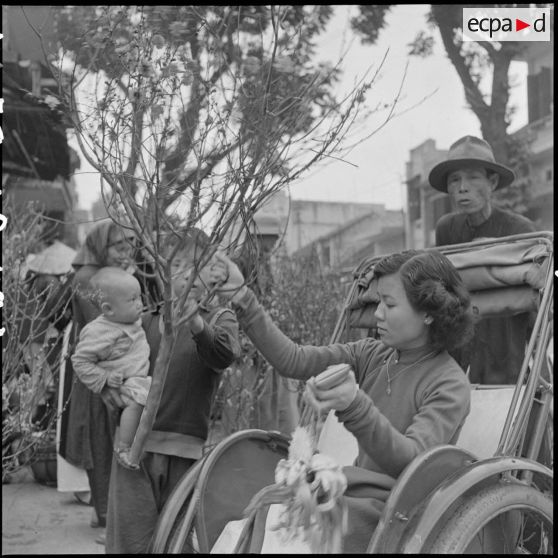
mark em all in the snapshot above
pixel 375 170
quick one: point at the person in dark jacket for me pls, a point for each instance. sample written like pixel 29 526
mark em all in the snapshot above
pixel 204 346
pixel 470 175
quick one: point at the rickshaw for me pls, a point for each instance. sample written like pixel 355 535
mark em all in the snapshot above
pixel 489 493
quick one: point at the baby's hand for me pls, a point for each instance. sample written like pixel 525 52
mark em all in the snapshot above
pixel 115 379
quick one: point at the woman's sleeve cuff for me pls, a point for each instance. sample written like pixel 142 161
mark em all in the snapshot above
pixel 356 409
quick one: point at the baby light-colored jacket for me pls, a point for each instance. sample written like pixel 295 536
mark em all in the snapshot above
pixel 106 347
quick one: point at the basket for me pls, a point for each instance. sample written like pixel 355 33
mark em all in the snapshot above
pixel 43 464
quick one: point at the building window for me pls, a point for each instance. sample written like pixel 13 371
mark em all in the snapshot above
pixel 326 255
pixel 539 94
pixel 413 200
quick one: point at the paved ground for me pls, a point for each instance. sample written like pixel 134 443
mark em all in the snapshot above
pixel 39 520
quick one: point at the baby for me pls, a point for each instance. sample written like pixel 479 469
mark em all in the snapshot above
pixel 113 350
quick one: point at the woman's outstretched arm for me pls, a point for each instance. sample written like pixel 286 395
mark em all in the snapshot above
pixel 286 356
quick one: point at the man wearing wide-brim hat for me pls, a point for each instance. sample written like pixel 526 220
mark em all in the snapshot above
pixel 470 175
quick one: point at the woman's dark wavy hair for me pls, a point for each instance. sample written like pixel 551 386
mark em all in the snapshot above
pixel 433 285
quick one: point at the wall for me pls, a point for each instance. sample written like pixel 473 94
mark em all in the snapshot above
pixel 37 163
pixel 378 232
pixel 303 221
pixel 310 220
pixel 427 204
pixel 540 132
pixel 20 38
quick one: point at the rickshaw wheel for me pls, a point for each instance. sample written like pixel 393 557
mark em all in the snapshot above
pixel 502 519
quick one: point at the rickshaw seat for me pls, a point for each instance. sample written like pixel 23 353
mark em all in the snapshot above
pixel 483 426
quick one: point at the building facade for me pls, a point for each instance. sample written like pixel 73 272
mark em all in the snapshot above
pixel 339 232
pixel 310 220
pixel 37 163
pixel 425 205
pixel 539 132
pixel 378 232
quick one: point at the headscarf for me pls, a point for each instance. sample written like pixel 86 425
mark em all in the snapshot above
pixel 94 250
pixel 93 255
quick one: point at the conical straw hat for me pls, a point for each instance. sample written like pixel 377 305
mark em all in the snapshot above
pixel 54 260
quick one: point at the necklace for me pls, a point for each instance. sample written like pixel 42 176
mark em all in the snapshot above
pixel 389 378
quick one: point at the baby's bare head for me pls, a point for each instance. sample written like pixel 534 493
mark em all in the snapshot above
pixel 112 281
pixel 117 293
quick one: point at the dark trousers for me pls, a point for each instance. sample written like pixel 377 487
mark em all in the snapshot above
pixel 137 497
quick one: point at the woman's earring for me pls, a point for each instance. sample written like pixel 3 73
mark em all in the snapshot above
pixel 428 320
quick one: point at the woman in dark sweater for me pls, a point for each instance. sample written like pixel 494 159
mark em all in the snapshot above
pixel 405 393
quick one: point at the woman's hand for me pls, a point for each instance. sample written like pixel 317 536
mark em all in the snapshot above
pixel 225 274
pixel 111 398
pixel 337 398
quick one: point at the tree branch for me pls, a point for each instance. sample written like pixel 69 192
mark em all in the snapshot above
pixel 199 174
pixel 135 149
pixel 472 92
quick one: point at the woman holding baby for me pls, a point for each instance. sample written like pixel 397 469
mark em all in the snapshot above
pixel 87 425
